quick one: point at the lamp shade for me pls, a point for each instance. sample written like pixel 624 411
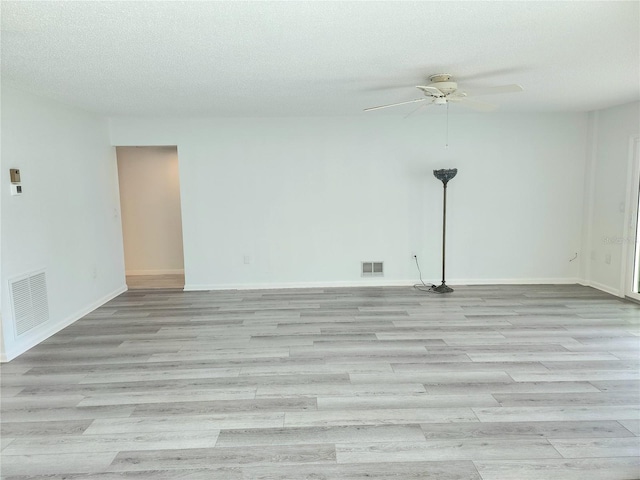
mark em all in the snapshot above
pixel 445 174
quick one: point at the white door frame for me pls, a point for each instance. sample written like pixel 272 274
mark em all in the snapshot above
pixel 630 268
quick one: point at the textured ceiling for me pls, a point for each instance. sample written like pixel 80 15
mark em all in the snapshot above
pixel 318 58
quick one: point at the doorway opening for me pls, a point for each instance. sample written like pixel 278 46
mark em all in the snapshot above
pixel 151 216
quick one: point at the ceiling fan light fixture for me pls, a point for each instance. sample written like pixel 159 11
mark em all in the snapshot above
pixel 440 101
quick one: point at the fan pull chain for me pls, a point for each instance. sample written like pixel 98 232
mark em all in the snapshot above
pixel 446 142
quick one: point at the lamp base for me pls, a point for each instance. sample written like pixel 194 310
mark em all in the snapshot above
pixel 442 289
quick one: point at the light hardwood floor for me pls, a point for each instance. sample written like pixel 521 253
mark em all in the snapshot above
pixel 143 282
pixel 489 382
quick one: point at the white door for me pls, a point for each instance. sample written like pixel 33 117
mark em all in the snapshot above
pixel 631 241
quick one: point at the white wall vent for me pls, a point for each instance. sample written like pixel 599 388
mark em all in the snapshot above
pixel 372 269
pixel 29 301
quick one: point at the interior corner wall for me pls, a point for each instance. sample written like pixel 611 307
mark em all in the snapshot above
pixel 607 240
pixel 276 202
pixel 150 209
pixel 67 220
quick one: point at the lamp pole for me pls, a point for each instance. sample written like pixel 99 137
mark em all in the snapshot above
pixel 444 175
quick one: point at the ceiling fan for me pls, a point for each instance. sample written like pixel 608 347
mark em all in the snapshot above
pixel 442 90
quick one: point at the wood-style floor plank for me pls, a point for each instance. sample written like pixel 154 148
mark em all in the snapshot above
pixel 597 447
pixel 487 383
pixel 622 468
pixel 438 450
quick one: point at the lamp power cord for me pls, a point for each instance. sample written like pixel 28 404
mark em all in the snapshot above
pixel 423 287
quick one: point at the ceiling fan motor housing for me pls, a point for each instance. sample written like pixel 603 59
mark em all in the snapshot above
pixel 445 87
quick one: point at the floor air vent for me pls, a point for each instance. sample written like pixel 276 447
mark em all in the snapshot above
pixel 29 302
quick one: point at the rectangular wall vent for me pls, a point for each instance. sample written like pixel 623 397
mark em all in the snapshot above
pixel 372 269
pixel 29 301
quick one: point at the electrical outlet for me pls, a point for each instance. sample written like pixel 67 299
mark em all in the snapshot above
pixel 247 259
pixel 607 259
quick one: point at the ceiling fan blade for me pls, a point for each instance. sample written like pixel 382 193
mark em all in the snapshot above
pixel 393 104
pixel 474 104
pixel 417 109
pixel 513 88
pixel 498 72
pixel 431 90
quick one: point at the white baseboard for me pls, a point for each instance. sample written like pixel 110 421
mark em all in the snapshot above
pixel 378 283
pixel 603 287
pixel 514 281
pixel 22 345
pixel 271 286
pixel 154 272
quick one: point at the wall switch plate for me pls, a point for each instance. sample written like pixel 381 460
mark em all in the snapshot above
pixel 247 259
pixel 607 259
pixel 16 189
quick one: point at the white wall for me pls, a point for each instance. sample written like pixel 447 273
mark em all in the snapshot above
pixel 608 172
pixel 150 206
pixel 67 220
pixel 308 198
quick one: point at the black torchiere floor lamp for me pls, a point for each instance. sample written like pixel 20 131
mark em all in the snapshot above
pixel 445 175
